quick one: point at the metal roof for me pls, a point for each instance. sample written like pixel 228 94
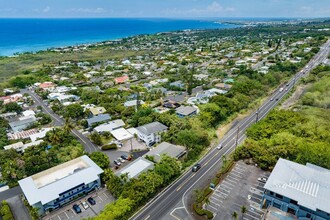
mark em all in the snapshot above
pixel 308 185
pixel 99 118
pixel 151 128
pixel 46 186
pixel 186 110
pixel 137 167
pixel 168 149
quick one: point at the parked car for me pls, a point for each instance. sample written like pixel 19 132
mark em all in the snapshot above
pixel 91 201
pixel 262 179
pixel 196 167
pixel 121 160
pixel 76 208
pixel 117 162
pixel 125 157
pixel 85 205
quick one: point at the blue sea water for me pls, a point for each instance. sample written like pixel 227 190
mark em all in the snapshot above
pixel 29 35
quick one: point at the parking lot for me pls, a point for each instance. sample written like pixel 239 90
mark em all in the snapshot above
pixel 101 197
pixel 239 188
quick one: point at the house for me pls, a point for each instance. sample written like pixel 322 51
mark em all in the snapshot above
pixel 201 77
pixel 59 185
pixel 48 86
pixel 171 104
pixel 166 148
pixel 121 134
pixel 20 147
pixel 137 167
pixel 97 119
pixel 11 98
pixel 20 125
pixel 28 113
pixel 110 126
pixel 97 110
pixel 178 84
pixel 151 133
pixel 121 79
pixel 302 190
pixel 185 111
pixel 132 103
pixel 223 86
pixel 22 134
pixel 41 134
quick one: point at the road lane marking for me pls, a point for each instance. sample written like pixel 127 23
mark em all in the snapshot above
pixel 147 217
pixel 185 182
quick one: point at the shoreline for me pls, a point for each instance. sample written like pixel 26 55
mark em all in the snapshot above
pixel 120 32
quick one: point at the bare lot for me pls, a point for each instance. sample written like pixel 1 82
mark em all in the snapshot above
pixel 239 188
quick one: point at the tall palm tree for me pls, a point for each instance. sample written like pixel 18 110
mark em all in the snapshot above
pixel 234 215
pixel 68 125
pixel 55 136
pixel 243 211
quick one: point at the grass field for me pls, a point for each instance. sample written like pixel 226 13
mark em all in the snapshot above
pixel 12 66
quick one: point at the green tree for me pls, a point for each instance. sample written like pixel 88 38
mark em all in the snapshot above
pixel 96 138
pixel 13 107
pixel 243 211
pixel 74 111
pixel 234 215
pixel 101 159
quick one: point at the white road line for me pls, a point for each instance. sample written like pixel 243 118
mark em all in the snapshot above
pixel 210 206
pixel 236 176
pixel 225 194
pixel 221 197
pixel 229 183
pixel 232 177
pixel 73 212
pixel 59 217
pixel 232 181
pixel 240 172
pixel 216 199
pixel 215 203
pixel 251 216
pixel 228 187
pixel 100 198
pixel 66 215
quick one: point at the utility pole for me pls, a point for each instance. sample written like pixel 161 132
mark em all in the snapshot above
pixel 236 138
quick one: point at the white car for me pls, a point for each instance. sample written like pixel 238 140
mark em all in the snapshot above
pixel 219 147
pixel 85 205
pixel 262 179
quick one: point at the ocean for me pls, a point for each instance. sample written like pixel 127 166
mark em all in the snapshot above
pixel 30 35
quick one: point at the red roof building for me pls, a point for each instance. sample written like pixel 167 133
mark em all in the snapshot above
pixel 121 79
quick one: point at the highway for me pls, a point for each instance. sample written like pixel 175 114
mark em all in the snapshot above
pixel 181 189
pixel 58 121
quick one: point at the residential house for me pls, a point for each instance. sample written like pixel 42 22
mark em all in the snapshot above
pixel 223 86
pixel 97 111
pixel 121 79
pixel 47 86
pixel 178 84
pixel 21 125
pixel 186 111
pixel 97 119
pixel 110 126
pixel 168 149
pixel 151 133
pixel 137 167
pixel 132 103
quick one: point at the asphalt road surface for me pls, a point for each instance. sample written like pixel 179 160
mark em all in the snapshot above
pixel 180 190
pixel 88 145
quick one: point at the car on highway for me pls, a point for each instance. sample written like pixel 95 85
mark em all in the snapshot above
pixel 117 162
pixel 76 208
pixel 281 89
pixel 272 98
pixel 219 147
pixel 196 167
pixel 85 205
pixel 262 179
pixel 276 99
pixel 91 201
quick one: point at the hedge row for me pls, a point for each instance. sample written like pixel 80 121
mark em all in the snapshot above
pixel 5 211
pixel 202 212
pixel 109 147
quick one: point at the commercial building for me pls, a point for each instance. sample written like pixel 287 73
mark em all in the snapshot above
pixel 52 188
pixel 303 191
pixel 151 133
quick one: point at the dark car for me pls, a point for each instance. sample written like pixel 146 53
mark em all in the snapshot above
pixel 91 201
pixel 117 162
pixel 76 208
pixel 125 157
pixel 196 167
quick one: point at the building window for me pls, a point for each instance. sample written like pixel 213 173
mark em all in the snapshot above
pixel 279 196
pixel 293 202
pixel 308 215
pixel 271 193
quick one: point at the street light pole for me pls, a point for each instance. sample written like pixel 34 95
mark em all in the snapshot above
pixel 257 113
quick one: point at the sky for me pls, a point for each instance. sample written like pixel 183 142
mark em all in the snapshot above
pixel 163 8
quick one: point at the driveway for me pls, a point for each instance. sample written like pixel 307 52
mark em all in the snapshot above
pixel 19 210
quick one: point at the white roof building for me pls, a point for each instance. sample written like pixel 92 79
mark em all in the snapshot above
pixel 121 134
pixel 137 167
pixel 46 186
pixel 308 185
pixel 110 126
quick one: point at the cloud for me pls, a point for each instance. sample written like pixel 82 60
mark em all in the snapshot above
pixel 213 9
pixel 45 10
pixel 88 10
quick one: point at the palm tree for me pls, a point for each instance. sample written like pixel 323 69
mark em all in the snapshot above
pixel 68 125
pixel 243 211
pixel 55 136
pixel 234 215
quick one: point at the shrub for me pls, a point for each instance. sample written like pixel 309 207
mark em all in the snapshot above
pixel 5 211
pixel 202 212
pixel 109 147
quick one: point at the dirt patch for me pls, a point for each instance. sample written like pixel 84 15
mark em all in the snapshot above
pixel 293 99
